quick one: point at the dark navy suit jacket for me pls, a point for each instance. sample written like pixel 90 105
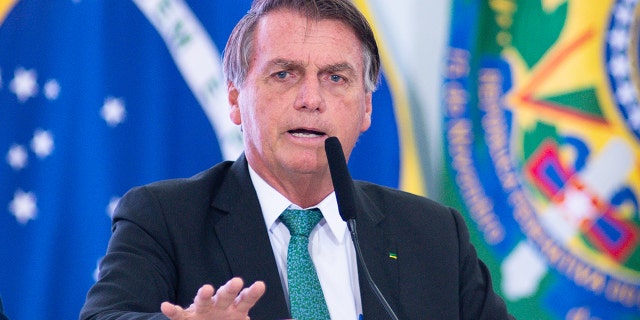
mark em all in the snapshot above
pixel 2 315
pixel 171 237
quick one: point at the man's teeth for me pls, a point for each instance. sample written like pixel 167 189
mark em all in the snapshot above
pixel 305 134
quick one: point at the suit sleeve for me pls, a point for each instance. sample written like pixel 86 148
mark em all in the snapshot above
pixel 477 297
pixel 2 315
pixel 137 273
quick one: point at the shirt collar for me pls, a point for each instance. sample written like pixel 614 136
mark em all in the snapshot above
pixel 273 203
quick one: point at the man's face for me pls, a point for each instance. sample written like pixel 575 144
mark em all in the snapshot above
pixel 304 84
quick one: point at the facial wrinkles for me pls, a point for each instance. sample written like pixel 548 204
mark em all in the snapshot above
pixel 309 50
pixel 306 41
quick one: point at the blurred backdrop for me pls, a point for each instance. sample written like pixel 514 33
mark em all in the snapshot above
pixel 522 114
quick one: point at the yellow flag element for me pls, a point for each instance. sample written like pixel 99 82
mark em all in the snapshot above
pixel 5 7
pixel 577 53
pixel 411 171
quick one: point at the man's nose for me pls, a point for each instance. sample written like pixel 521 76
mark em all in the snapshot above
pixel 310 95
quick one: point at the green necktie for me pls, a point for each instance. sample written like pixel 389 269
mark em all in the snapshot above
pixel 305 292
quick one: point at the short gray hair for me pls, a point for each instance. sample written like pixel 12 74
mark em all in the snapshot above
pixel 235 63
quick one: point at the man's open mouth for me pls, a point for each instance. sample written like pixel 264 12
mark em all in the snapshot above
pixel 304 133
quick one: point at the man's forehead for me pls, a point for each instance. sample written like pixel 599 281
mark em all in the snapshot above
pixel 281 38
pixel 284 15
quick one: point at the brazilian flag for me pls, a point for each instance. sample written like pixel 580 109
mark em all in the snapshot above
pixel 97 97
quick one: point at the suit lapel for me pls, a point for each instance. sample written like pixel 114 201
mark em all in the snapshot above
pixel 245 241
pixel 249 253
pixel 378 249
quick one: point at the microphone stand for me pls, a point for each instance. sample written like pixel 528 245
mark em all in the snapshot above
pixel 351 224
pixel 345 196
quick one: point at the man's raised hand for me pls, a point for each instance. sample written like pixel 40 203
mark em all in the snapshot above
pixel 230 302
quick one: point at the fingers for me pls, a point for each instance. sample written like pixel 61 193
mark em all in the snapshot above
pixel 202 301
pixel 229 301
pixel 249 296
pixel 226 294
pixel 201 305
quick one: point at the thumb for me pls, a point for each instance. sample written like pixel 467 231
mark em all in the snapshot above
pixel 170 310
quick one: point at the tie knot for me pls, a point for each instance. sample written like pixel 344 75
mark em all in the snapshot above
pixel 301 222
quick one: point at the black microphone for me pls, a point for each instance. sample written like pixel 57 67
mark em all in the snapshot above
pixel 342 182
pixel 346 198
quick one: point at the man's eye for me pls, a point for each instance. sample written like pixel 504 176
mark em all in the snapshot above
pixel 335 78
pixel 281 74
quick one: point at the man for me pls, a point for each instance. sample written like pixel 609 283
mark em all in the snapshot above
pixel 298 72
pixel 2 315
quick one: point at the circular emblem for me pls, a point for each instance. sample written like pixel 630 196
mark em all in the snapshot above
pixel 543 147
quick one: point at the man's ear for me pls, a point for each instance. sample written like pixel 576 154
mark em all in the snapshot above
pixel 234 109
pixel 366 121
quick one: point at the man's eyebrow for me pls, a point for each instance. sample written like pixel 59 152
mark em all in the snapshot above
pixel 299 65
pixel 287 64
pixel 339 67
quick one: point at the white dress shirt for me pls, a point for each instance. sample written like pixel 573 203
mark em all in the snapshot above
pixel 330 247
